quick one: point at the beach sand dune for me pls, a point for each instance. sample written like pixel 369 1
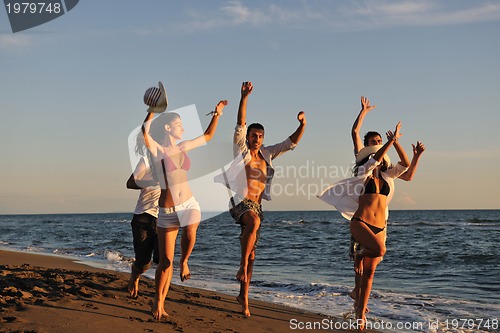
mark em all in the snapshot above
pixel 41 293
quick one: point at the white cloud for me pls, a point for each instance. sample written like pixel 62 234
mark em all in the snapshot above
pixel 482 155
pixel 379 14
pixel 14 41
pixel 353 15
pixel 373 8
pixel 483 13
pixel 405 199
pixel 240 14
pixel 235 13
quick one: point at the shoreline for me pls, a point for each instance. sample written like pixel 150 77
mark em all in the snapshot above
pixel 51 293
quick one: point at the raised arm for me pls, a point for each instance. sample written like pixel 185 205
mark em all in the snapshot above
pixel 417 152
pixel 140 178
pixel 151 144
pixel 297 135
pixel 290 142
pixel 394 137
pixel 246 90
pixel 209 132
pixel 356 127
pixel 391 138
pixel 138 184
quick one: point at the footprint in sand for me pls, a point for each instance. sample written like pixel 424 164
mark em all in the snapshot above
pixel 218 298
pixel 9 319
pixel 90 305
pixel 39 301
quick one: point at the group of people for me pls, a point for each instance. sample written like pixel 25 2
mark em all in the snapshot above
pixel 166 202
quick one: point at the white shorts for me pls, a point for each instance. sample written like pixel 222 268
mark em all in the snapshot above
pixel 176 216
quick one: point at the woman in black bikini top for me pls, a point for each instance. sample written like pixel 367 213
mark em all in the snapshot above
pixel 369 221
pixel 371 188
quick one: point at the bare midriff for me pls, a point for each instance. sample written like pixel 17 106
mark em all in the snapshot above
pixel 176 191
pixel 256 172
pixel 372 208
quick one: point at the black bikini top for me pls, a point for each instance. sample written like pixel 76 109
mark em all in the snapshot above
pixel 370 187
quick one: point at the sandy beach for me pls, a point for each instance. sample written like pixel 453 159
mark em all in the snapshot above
pixel 43 293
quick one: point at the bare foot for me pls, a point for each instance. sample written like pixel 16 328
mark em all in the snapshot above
pixel 354 295
pixel 158 311
pixel 244 306
pixel 241 275
pixel 133 285
pixel 185 273
pixel 361 322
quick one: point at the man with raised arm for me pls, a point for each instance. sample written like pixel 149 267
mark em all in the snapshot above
pixel 373 138
pixel 246 206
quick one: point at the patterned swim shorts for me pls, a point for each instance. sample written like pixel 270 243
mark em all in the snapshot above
pixel 244 206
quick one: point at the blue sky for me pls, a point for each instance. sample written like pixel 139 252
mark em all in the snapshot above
pixel 71 93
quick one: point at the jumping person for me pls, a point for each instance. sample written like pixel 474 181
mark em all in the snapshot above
pixel 177 205
pixel 246 206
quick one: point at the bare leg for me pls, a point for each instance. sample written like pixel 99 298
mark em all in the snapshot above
pixel 163 276
pixel 245 286
pixel 373 248
pixel 365 288
pixel 251 221
pixel 355 292
pixel 373 245
pixel 358 272
pixel 133 283
pixel 188 239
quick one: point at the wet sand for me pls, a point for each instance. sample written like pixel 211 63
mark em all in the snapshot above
pixel 42 293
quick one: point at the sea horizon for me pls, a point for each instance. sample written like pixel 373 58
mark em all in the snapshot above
pixel 302 259
pixel 266 210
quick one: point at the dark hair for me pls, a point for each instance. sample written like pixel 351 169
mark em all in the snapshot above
pixel 370 135
pixel 164 119
pixel 358 164
pixel 254 126
pixel 156 131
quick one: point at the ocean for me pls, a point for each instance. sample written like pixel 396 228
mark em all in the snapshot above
pixel 440 274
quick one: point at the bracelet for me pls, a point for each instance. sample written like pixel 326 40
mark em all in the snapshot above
pixel 214 113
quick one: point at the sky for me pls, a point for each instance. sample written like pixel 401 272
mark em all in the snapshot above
pixel 71 93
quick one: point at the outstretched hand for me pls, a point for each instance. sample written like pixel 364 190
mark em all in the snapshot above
pixel 220 106
pixel 365 104
pixel 246 88
pixel 394 136
pixel 418 149
pixel 301 117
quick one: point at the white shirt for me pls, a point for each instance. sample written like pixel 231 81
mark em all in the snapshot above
pixel 344 195
pixel 236 175
pixel 148 198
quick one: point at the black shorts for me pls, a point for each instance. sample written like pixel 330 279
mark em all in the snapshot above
pixel 145 240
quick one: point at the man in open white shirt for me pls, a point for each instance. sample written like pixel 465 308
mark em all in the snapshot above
pixel 253 185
